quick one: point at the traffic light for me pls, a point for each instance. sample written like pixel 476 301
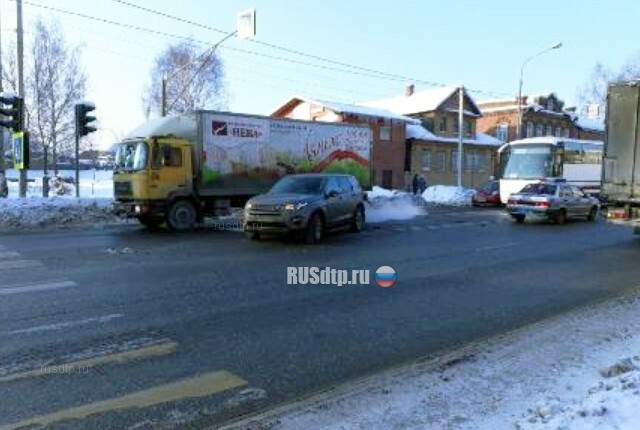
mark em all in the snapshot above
pixel 83 126
pixel 13 108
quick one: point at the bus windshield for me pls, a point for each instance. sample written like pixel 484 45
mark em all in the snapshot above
pixel 528 162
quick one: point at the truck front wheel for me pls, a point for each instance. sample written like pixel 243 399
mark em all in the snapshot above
pixel 181 216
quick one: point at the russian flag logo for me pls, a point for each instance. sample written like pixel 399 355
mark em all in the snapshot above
pixel 385 276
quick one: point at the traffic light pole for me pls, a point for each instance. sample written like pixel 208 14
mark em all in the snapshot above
pixel 23 172
pixel 77 163
pixel 4 191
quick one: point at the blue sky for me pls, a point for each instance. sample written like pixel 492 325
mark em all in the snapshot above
pixel 479 44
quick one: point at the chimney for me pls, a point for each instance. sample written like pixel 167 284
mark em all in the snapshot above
pixel 409 90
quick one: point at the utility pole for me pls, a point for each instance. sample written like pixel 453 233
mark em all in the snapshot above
pixel 4 192
pixel 23 172
pixel 460 133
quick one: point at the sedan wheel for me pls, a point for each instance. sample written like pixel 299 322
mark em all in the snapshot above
pixel 592 214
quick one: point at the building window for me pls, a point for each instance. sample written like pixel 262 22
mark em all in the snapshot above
pixel 529 129
pixel 440 161
pixel 443 124
pixel 566 132
pixel 456 127
pixel 454 161
pixel 468 128
pixel 425 160
pixel 557 132
pixel 549 131
pixel 502 132
pixel 539 130
pixel 385 132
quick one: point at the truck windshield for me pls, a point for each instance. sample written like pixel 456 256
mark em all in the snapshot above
pixel 131 155
pixel 528 162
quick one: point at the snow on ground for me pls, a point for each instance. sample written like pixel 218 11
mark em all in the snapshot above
pixel 448 195
pixel 93 183
pixel 391 205
pixel 55 212
pixel 579 371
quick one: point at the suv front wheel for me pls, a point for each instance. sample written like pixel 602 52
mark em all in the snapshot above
pixel 357 223
pixel 315 229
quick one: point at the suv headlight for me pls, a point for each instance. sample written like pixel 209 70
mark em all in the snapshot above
pixel 248 205
pixel 295 206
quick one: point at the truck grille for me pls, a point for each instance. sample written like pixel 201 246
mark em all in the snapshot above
pixel 122 189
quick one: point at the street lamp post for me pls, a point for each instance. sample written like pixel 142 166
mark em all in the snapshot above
pixel 519 99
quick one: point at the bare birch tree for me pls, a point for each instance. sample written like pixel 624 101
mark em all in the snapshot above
pixel 54 83
pixel 194 80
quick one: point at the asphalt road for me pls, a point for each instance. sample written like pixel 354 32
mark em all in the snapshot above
pixel 120 328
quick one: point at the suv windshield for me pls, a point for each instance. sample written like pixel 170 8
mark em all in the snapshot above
pixel 544 189
pixel 298 185
pixel 131 155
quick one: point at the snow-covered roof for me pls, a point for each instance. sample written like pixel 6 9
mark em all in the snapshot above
pixel 345 108
pixel 421 101
pixel 596 124
pixel 552 141
pixel 183 126
pixel 416 131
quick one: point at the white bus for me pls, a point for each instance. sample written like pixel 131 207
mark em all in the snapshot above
pixel 527 161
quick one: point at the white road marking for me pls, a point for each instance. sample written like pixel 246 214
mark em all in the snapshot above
pixel 19 264
pixel 8 254
pixel 496 247
pixel 62 325
pixel 6 290
pixel 2 248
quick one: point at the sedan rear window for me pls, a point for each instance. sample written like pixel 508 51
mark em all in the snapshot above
pixel 543 189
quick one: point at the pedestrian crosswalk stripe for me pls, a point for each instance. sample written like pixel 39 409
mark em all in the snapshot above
pixel 19 264
pixel 164 348
pixel 66 324
pixel 201 386
pixel 6 290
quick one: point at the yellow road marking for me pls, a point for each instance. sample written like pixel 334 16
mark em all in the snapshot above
pixel 164 348
pixel 201 386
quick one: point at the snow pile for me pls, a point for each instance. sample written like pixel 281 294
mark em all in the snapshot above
pixel 578 371
pixel 448 195
pixel 55 211
pixel 391 205
pixel 611 403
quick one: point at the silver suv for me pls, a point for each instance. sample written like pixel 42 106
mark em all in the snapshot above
pixel 311 204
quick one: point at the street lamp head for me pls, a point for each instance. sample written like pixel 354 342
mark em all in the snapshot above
pixel 557 45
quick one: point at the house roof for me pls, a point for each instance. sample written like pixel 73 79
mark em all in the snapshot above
pixel 416 131
pixel 343 108
pixel 421 101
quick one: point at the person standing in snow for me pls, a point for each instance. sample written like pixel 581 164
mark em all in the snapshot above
pixel 415 183
pixel 422 184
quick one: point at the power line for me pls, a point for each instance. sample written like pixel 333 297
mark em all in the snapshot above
pixel 296 52
pixel 362 70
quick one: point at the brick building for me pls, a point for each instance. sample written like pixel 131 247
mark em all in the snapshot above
pixel 388 128
pixel 432 145
pixel 541 116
